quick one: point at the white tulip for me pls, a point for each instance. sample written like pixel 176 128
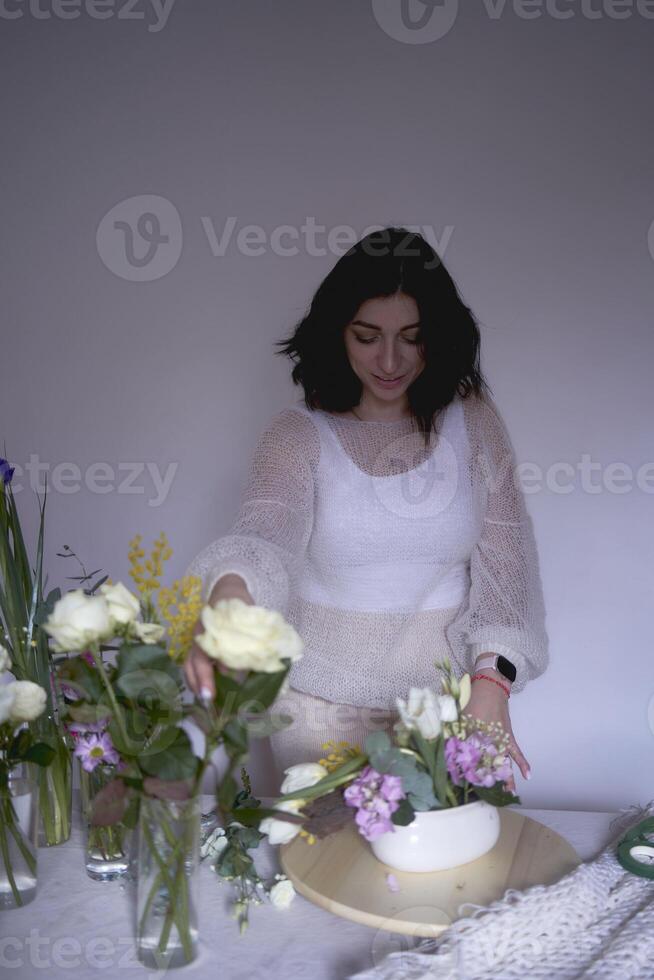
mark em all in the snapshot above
pixel 447 707
pixel 302 775
pixel 421 712
pixel 147 632
pixel 465 691
pixel 282 831
pixel 282 894
pixel 6 701
pixel 28 701
pixel 124 607
pixel 245 637
pixel 5 660
pixel 79 620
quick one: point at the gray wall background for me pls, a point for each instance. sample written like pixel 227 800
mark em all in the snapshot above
pixel 519 136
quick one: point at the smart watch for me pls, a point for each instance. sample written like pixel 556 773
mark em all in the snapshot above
pixel 495 661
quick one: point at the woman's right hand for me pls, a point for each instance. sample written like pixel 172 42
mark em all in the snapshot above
pixel 198 667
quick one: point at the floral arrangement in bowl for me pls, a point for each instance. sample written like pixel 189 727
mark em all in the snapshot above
pixel 441 769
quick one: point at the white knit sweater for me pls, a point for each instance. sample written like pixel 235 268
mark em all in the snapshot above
pixel 361 538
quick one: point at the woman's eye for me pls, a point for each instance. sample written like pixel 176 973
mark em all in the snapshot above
pixel 369 340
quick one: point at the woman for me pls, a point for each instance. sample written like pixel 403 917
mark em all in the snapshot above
pixel 381 515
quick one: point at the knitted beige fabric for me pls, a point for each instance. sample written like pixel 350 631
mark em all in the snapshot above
pixel 317 721
pixel 364 540
pixel 596 923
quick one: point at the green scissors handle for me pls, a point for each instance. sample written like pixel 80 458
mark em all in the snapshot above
pixel 636 849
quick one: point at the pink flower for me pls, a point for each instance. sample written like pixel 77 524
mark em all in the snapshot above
pixel 475 760
pixel 376 797
pixel 94 749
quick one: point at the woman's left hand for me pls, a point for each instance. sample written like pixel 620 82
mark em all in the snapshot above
pixel 489 703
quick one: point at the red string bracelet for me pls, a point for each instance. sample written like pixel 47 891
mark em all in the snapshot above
pixel 484 677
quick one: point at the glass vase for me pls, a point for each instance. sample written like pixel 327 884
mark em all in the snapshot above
pixel 168 854
pixel 18 840
pixel 107 848
pixel 55 784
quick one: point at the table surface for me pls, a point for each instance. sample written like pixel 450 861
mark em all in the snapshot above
pixel 77 928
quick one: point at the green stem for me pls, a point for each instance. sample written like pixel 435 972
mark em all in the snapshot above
pixel 112 697
pixel 4 849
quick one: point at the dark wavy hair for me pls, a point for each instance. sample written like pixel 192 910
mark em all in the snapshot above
pixel 386 262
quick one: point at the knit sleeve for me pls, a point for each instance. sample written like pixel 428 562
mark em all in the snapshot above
pixel 505 611
pixel 266 544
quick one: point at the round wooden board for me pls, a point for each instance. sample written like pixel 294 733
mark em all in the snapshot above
pixel 341 874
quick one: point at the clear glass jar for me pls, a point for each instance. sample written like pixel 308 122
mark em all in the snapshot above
pixel 168 859
pixel 18 840
pixel 107 848
pixel 55 783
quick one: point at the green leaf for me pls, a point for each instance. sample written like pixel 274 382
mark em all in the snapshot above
pixel 133 657
pixel 235 738
pixel 404 815
pixel 39 753
pixel 154 691
pixel 78 674
pixel 177 762
pixel 496 795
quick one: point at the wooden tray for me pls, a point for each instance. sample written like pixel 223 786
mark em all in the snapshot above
pixel 341 874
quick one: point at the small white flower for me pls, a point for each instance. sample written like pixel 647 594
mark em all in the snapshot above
pixel 282 894
pixel 5 661
pixel 303 775
pixel 28 701
pixel 124 607
pixel 147 632
pixel 282 831
pixel 79 620
pixel 215 844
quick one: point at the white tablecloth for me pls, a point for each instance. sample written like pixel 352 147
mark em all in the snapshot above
pixel 77 928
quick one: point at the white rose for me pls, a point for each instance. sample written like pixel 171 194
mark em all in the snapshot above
pixel 421 712
pixel 282 894
pixel 6 701
pixel 215 844
pixel 124 607
pixel 282 831
pixel 147 632
pixel 28 701
pixel 245 637
pixel 5 660
pixel 302 775
pixel 447 707
pixel 78 620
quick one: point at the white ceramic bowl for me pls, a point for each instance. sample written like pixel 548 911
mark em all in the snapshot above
pixel 440 839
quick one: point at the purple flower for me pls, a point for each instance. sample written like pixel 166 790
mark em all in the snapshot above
pixel 95 749
pixel 475 760
pixel 6 471
pixel 375 797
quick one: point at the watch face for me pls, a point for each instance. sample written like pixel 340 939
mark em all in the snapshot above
pixel 506 668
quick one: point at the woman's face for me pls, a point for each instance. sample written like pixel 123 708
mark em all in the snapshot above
pixel 381 342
